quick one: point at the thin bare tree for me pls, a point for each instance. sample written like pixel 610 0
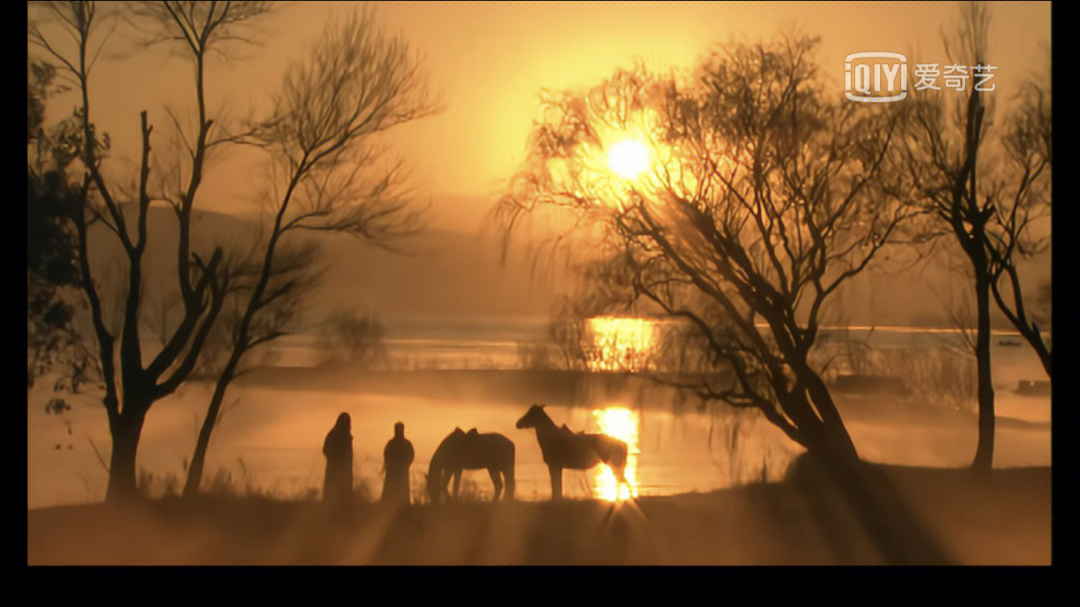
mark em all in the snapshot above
pixel 1020 226
pixel 988 193
pixel 356 83
pixel 71 34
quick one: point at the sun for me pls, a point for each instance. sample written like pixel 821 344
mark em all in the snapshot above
pixel 628 158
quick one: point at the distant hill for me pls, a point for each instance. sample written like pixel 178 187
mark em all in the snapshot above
pixel 208 228
pixel 925 294
pixel 461 274
pixel 443 273
pixel 446 274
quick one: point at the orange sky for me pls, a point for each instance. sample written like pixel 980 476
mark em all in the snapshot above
pixel 489 60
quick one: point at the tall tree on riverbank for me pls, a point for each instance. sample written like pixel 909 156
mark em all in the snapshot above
pixel 987 193
pixel 1021 222
pixel 738 199
pixel 356 83
pixel 762 195
pixel 317 133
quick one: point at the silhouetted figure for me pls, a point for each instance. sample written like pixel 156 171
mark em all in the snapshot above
pixel 397 457
pixel 471 451
pixel 563 448
pixel 337 485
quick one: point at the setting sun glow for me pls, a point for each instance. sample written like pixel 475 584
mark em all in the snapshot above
pixel 628 158
pixel 621 423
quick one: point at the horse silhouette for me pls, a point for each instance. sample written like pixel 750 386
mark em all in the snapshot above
pixel 564 448
pixel 471 451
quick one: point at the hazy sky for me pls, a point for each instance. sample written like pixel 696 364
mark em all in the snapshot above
pixel 489 60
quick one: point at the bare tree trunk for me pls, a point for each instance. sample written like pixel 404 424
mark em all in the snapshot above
pixel 832 466
pixel 984 452
pixel 833 430
pixel 198 458
pixel 1044 354
pixel 125 431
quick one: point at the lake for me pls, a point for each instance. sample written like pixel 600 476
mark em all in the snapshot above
pixel 438 374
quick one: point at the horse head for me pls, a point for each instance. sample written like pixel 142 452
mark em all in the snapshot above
pixel 437 490
pixel 432 488
pixel 533 417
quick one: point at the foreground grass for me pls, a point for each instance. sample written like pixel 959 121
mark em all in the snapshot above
pixel 1001 519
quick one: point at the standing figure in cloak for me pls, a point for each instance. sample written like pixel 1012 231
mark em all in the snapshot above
pixel 397 457
pixel 337 486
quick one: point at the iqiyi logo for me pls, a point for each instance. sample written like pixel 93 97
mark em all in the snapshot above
pixel 875 77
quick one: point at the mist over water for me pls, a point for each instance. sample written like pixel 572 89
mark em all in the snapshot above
pixel 439 374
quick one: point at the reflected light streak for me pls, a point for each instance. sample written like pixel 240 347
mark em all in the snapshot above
pixel 623 424
pixel 619 344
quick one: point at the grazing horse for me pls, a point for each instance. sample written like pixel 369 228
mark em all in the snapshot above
pixel 563 448
pixel 471 451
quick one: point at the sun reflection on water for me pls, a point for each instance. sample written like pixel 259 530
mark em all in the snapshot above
pixel 619 344
pixel 623 424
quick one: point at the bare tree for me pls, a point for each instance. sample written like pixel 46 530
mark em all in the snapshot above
pixel 992 211
pixel 353 337
pixel 130 386
pixel 356 83
pixel 1020 227
pixel 763 197
pixel 293 273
